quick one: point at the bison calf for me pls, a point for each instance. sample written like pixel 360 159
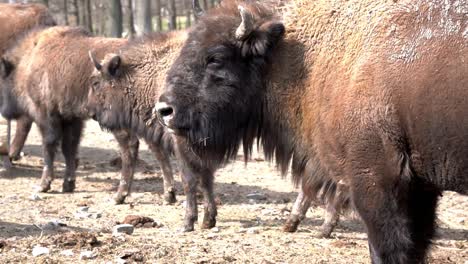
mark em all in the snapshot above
pixel 48 80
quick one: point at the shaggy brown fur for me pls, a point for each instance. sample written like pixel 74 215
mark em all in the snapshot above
pixel 16 19
pixel 124 99
pixel 50 82
pixel 364 92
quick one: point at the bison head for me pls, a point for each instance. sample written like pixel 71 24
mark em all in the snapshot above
pixel 105 97
pixel 214 90
pixel 9 107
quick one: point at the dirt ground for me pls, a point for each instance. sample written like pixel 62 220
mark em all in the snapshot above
pixel 248 231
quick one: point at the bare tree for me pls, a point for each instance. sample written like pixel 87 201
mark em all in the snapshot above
pixel 115 18
pixel 65 12
pixel 85 14
pixel 172 15
pixel 76 12
pixel 131 25
pixel 188 13
pixel 158 15
pixel 143 17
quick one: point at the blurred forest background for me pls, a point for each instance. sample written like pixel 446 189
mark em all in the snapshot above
pixel 123 18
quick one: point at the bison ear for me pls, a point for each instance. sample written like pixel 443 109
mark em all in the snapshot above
pixel 257 41
pixel 111 67
pixel 6 67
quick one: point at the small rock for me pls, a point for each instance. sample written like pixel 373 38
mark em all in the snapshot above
pixel 211 235
pixel 215 229
pixel 257 196
pixel 87 255
pixel 95 215
pixel 35 197
pixel 67 253
pixel 83 209
pixel 253 230
pixel 39 251
pixel 123 229
pixel 120 260
pixel 81 215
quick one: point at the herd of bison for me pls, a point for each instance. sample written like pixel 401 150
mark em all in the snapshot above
pixel 362 103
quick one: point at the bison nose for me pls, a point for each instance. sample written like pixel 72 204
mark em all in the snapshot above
pixel 165 111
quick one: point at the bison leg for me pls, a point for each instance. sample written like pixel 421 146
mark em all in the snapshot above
pixel 333 210
pixel 332 216
pixel 399 218
pixel 23 126
pixel 163 158
pixel 299 211
pixel 190 182
pixel 128 144
pixel 210 212
pixel 71 139
pixel 51 134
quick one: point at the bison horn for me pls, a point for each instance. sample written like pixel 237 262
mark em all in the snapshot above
pixel 246 25
pixel 197 10
pixel 94 60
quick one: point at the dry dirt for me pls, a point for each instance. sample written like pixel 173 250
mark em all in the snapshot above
pixel 248 232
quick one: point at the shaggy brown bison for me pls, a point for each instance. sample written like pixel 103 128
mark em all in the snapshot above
pixel 123 100
pixel 16 19
pixel 371 93
pixel 54 95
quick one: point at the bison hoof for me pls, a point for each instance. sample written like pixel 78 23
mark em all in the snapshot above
pixel 68 186
pixel 119 198
pixel 325 233
pixel 208 224
pixel 187 229
pixel 45 187
pixel 290 226
pixel 170 197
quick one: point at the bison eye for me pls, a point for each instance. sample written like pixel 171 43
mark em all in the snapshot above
pixel 214 61
pixel 95 85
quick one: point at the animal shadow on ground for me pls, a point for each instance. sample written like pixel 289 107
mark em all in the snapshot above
pixel 8 230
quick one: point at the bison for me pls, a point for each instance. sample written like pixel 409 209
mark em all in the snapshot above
pixel 48 80
pixel 370 93
pixel 15 20
pixel 121 98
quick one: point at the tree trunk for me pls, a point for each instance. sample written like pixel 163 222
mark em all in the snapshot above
pixel 76 12
pixel 188 12
pixel 158 15
pixel 143 17
pixel 88 15
pixel 85 14
pixel 213 3
pixel 205 5
pixel 115 18
pixel 131 23
pixel 65 12
pixel 100 7
pixel 172 15
pixel 45 2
